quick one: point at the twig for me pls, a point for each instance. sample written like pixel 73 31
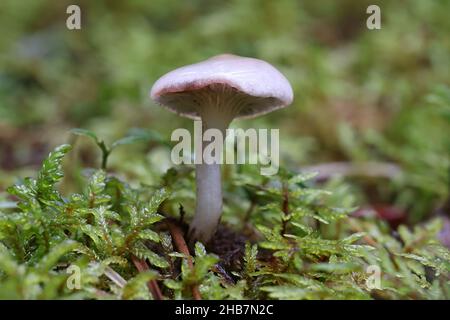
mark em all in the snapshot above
pixel 115 277
pixel 142 266
pixel 180 244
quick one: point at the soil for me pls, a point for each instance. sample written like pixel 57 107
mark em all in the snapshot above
pixel 229 246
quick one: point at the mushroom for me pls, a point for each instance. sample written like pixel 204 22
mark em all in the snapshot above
pixel 218 90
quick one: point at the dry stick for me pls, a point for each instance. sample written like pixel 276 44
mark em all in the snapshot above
pixel 180 244
pixel 142 266
pixel 115 277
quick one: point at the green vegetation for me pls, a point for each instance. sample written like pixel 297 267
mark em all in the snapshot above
pixel 371 111
pixel 113 224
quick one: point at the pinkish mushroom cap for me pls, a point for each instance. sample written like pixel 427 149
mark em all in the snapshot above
pixel 249 86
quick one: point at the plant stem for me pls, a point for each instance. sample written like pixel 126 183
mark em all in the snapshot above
pixel 105 153
pixel 180 244
pixel 141 265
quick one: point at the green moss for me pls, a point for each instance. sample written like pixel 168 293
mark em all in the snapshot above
pixel 102 229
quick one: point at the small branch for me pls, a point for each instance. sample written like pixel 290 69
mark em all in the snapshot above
pixel 142 266
pixel 105 153
pixel 115 277
pixel 180 244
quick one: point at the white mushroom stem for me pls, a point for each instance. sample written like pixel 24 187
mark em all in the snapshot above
pixel 209 202
pixel 217 115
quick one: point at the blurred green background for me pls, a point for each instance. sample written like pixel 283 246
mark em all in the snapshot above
pixel 376 102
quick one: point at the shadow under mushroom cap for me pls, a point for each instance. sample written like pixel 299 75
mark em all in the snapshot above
pixel 252 86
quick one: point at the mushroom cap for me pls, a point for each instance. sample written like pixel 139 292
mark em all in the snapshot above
pixel 261 87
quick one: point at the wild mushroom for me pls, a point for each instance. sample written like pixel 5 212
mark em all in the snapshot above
pixel 218 90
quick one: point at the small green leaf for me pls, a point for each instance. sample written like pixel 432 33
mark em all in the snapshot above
pixel 7 262
pixel 86 133
pixel 144 253
pixel 200 250
pixel 136 288
pixel 251 252
pixel 302 177
pixel 172 284
pixel 149 235
pixel 56 253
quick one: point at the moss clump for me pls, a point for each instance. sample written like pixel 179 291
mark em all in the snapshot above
pixel 115 241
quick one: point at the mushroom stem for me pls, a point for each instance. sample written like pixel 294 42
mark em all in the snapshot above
pixel 209 186
pixel 209 202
